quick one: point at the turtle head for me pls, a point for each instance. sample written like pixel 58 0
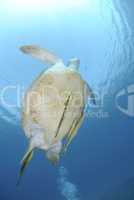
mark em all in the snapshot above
pixel 74 63
pixel 53 153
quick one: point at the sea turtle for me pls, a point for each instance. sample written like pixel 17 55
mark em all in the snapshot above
pixel 53 107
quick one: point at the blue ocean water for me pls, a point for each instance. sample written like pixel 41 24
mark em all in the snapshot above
pixel 99 163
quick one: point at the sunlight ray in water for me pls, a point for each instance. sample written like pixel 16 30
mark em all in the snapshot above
pixel 45 6
pixel 118 56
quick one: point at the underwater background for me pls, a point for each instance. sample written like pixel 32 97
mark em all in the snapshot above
pixel 99 164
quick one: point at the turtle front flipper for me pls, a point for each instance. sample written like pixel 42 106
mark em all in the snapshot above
pixel 24 163
pixel 41 54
